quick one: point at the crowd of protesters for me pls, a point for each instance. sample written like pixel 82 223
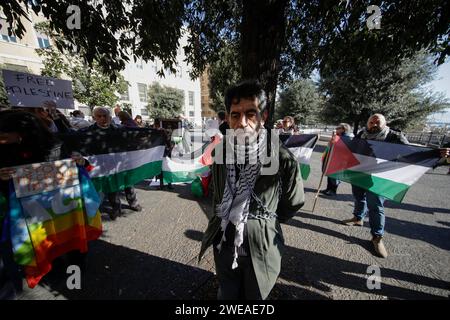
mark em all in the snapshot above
pixel 28 135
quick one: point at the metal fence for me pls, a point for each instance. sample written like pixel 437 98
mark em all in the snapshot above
pixel 432 139
pixel 428 138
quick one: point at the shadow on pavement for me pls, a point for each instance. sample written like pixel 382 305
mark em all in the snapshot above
pixel 117 272
pixel 319 148
pixel 387 204
pixel 436 236
pixel 194 235
pixel 318 271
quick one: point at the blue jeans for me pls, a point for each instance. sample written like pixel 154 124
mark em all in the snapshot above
pixel 374 204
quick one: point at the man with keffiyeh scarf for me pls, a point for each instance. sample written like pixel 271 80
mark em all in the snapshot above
pixel 249 203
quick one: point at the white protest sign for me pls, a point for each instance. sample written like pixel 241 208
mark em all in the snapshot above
pixel 30 90
pixel 45 176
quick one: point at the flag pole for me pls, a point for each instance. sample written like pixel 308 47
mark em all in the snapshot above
pixel 323 173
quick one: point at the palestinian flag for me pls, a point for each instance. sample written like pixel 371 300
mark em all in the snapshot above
pixel 118 158
pixel 383 168
pixel 186 168
pixel 302 147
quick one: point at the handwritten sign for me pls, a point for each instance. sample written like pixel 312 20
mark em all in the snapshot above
pixel 45 176
pixel 30 90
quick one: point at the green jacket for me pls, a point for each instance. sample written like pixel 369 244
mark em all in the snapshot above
pixel 265 236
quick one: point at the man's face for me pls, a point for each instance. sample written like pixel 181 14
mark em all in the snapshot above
pixel 245 115
pixel 339 131
pixel 287 123
pixel 102 119
pixel 374 124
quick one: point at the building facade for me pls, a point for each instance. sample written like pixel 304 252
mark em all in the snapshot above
pixel 20 55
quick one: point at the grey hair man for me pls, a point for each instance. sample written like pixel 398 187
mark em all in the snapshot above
pixel 103 125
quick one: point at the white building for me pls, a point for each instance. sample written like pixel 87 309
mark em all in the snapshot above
pixel 20 55
pixel 141 74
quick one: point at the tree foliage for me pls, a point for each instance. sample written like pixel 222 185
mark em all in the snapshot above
pixel 278 39
pixel 164 102
pixel 301 100
pixel 398 92
pixel 222 74
pixel 91 86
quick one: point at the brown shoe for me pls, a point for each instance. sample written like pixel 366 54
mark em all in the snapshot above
pixel 379 246
pixel 353 222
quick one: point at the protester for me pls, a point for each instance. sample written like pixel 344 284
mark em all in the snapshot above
pixel 367 201
pixel 248 205
pixel 139 122
pixel 126 120
pixel 288 129
pixel 116 119
pixel 103 124
pixel 24 139
pixel 445 154
pixel 223 126
pixel 53 119
pixel 342 130
pixel 77 121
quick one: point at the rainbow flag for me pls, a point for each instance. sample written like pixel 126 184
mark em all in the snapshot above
pixel 46 219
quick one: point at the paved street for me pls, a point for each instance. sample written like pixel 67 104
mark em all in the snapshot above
pixel 153 254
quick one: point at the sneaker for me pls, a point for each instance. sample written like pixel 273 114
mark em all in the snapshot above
pixel 353 222
pixel 324 191
pixel 330 193
pixel 136 208
pixel 379 246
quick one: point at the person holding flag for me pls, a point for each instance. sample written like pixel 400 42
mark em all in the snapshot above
pixel 342 130
pixel 103 125
pixel 367 201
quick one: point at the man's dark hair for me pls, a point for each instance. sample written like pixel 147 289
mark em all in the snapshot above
pixel 221 115
pixel 248 89
pixel 76 113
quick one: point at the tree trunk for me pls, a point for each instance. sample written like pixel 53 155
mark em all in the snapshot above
pixel 262 31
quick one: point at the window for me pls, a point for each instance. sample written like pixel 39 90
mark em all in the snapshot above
pixel 191 113
pixel 16 67
pixel 142 88
pixel 155 66
pixel 140 64
pixel 125 96
pixel 179 73
pixel 43 40
pixel 144 112
pixel 43 43
pixel 4 32
pixel 191 98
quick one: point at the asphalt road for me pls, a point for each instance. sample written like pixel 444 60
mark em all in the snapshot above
pixel 153 254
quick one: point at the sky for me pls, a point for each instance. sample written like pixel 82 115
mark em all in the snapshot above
pixel 442 84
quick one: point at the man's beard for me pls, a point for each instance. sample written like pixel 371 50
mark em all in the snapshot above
pixel 374 130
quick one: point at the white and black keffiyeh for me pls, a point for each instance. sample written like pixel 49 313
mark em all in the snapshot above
pixel 380 135
pixel 238 191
